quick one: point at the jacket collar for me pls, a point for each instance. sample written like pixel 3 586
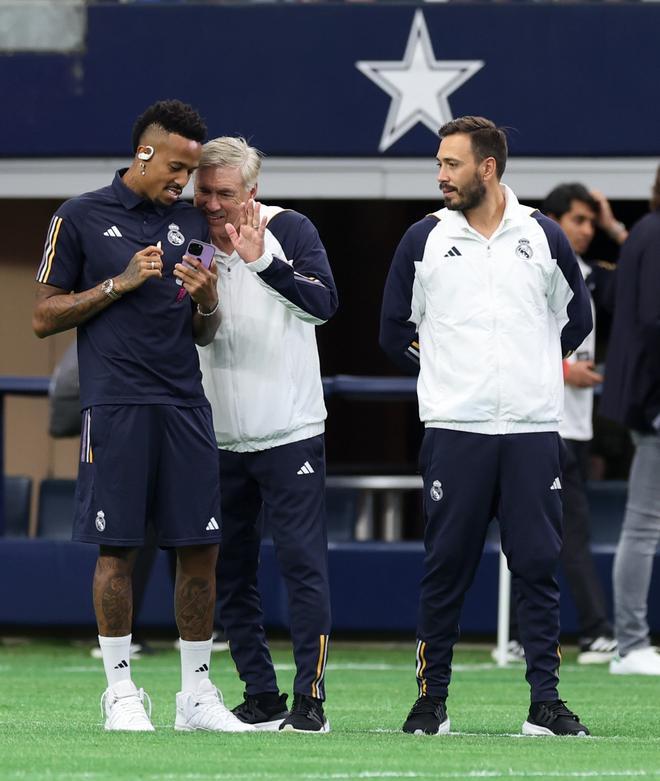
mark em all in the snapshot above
pixel 457 225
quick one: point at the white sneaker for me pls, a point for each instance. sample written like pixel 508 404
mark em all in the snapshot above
pixel 642 661
pixel 204 710
pixel 597 651
pixel 123 708
pixel 514 652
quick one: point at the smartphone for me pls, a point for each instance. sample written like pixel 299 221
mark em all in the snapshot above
pixel 202 251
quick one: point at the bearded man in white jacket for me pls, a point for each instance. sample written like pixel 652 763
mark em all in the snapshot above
pixel 484 297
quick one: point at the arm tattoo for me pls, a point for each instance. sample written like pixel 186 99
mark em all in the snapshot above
pixel 60 311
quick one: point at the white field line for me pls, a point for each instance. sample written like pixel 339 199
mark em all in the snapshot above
pixel 510 773
pixel 337 667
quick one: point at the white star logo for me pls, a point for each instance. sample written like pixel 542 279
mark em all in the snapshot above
pixel 419 85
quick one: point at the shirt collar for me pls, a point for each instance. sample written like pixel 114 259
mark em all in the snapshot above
pixel 128 198
pixel 457 224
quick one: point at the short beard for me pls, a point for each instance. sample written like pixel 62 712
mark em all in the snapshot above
pixel 471 196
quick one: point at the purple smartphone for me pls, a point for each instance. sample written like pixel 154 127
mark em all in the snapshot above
pixel 200 250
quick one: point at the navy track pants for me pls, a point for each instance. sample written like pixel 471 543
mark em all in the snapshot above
pixel 285 487
pixel 469 479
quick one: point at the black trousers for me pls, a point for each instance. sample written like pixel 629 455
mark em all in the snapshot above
pixel 468 479
pixel 285 488
pixel 576 559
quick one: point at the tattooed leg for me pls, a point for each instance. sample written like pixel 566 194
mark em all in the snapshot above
pixel 194 592
pixel 113 596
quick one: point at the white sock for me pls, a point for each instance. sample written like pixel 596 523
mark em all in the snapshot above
pixel 195 662
pixel 116 658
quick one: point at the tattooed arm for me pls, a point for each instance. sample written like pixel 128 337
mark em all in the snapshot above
pixel 58 310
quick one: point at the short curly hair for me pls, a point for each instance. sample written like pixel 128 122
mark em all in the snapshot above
pixel 172 116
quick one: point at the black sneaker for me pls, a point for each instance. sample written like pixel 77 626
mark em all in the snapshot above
pixel 553 718
pixel 306 715
pixel 264 711
pixel 428 716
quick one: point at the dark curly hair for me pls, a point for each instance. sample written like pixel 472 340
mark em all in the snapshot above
pixel 172 116
pixel 558 201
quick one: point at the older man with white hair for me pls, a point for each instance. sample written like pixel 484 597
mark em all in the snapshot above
pixel 262 376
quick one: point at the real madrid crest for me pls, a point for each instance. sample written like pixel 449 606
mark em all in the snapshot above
pixel 174 235
pixel 436 491
pixel 524 249
pixel 100 520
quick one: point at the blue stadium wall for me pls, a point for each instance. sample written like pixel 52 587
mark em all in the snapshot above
pixel 374 588
pixel 571 80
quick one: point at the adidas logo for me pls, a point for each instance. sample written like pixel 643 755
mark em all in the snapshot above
pixel 453 253
pixel 305 469
pixel 121 665
pixel 203 669
pixel 113 231
pixel 212 525
pixel 556 484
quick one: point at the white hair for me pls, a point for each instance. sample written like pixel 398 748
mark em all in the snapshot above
pixel 233 152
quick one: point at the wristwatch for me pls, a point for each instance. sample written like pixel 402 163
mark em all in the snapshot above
pixel 108 287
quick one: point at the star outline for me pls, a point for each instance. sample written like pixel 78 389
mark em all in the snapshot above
pixel 395 127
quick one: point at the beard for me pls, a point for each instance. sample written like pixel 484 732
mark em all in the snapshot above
pixel 469 197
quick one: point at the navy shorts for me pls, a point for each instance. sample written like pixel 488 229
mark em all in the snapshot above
pixel 144 464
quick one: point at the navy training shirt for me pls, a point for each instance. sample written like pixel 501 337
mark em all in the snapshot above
pixel 140 350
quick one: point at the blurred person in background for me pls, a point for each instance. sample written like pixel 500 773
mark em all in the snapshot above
pixel 579 212
pixel 486 296
pixel 262 376
pixel 631 395
pixel 110 268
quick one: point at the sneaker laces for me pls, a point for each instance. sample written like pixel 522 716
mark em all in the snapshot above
pixel 133 705
pixel 305 706
pixel 213 696
pixel 249 707
pixel 426 705
pixel 557 709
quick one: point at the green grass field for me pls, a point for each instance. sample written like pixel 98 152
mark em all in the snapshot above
pixel 51 727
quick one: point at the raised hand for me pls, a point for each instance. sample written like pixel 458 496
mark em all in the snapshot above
pixel 249 240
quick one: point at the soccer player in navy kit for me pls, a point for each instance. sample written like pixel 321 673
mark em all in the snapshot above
pixel 110 268
pixel 485 296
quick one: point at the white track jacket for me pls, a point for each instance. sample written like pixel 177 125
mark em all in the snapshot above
pixel 486 321
pixel 261 373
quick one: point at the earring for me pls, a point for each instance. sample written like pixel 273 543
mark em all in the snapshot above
pixel 143 169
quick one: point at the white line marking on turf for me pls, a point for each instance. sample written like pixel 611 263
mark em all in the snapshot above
pixel 358 774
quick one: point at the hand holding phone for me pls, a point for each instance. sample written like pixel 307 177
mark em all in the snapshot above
pixel 202 251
